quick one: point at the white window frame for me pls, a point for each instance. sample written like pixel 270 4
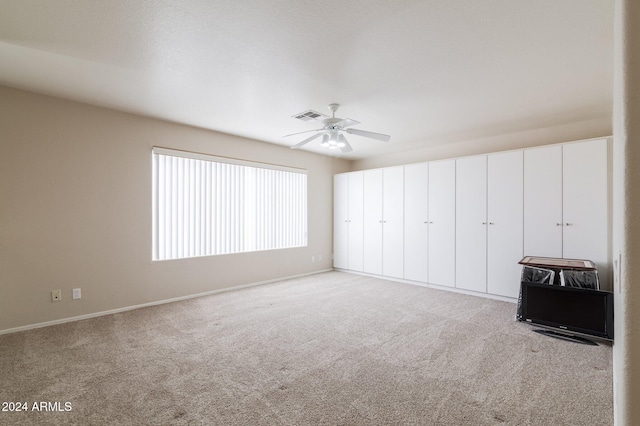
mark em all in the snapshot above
pixel 205 205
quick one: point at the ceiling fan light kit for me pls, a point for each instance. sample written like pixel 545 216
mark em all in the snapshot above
pixel 333 129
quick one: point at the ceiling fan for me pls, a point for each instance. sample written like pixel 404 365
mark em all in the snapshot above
pixel 333 130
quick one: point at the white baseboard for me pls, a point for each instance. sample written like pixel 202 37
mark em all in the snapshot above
pixel 434 286
pixel 159 302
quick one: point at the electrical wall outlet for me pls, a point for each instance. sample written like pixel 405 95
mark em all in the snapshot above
pixel 56 295
pixel 319 258
pixel 313 258
pixel 76 293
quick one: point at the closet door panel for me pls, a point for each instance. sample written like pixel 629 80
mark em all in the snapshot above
pixel 543 202
pixel 340 221
pixel 372 226
pixel 356 220
pixel 471 223
pixel 393 222
pixel 505 230
pixel 442 223
pixel 416 227
pixel 585 204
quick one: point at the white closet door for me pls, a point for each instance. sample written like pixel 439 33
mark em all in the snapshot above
pixel 442 223
pixel 372 262
pixel 356 219
pixel 471 223
pixel 393 222
pixel 505 231
pixel 543 202
pixel 340 219
pixel 585 204
pixel 416 228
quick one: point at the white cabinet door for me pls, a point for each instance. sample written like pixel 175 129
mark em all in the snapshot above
pixel 442 223
pixel 471 223
pixel 548 201
pixel 340 221
pixel 393 222
pixel 356 217
pixel 543 202
pixel 372 262
pixel 416 228
pixel 505 215
pixel 585 204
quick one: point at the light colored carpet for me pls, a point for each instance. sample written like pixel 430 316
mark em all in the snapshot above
pixel 331 348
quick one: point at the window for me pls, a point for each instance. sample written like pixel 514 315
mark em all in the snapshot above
pixel 205 205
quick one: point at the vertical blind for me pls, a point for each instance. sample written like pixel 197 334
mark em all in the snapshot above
pixel 205 205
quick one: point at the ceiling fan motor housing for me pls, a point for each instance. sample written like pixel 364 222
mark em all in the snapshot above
pixel 332 128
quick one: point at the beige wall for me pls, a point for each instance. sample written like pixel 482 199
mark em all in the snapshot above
pixel 594 128
pixel 75 185
pixel 626 212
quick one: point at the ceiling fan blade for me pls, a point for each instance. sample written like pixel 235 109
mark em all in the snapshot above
pixel 372 135
pixel 347 122
pixel 306 141
pixel 346 148
pixel 299 133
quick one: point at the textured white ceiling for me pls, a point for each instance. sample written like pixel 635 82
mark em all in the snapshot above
pixel 426 72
